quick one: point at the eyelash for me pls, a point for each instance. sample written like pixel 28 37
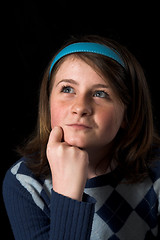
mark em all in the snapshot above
pixel 105 93
pixel 64 88
pixel 97 91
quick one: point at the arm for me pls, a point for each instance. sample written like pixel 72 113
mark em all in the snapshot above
pixel 69 168
pixel 65 219
pixel 27 220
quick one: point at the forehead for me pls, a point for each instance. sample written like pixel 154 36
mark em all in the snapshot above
pixel 75 68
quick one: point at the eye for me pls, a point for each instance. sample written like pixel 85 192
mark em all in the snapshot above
pixel 67 89
pixel 101 94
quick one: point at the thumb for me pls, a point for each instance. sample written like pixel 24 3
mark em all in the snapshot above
pixel 56 135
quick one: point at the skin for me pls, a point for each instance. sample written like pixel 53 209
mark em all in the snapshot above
pixel 85 118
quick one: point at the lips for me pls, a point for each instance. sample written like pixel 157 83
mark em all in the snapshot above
pixel 79 126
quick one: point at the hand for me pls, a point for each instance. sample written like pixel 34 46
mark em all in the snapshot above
pixel 69 166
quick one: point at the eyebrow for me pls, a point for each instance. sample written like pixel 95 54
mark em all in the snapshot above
pixel 67 81
pixel 99 85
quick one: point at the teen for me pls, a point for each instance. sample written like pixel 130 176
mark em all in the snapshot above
pixel 91 170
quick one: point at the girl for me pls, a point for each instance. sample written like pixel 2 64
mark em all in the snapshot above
pixel 91 170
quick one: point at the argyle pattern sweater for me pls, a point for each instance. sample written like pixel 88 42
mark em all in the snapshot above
pixel 110 209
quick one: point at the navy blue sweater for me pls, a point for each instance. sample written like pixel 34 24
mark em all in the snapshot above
pixel 110 209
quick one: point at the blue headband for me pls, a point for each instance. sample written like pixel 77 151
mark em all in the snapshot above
pixel 87 47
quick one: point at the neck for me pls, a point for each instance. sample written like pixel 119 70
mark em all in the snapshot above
pixel 100 162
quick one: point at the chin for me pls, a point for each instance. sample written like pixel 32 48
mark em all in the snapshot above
pixel 75 141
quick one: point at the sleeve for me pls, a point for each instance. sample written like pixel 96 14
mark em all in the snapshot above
pixel 71 219
pixel 68 218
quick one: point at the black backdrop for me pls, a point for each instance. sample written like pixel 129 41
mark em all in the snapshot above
pixel 33 31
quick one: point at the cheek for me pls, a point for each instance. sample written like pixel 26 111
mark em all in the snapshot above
pixel 56 115
pixel 105 120
pixel 110 121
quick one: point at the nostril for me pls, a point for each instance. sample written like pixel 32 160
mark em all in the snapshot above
pixel 82 109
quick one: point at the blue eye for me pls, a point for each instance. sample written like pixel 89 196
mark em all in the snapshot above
pixel 101 94
pixel 67 89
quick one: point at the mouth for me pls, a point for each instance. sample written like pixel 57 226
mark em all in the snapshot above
pixel 79 126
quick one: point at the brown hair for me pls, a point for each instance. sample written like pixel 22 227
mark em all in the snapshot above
pixel 134 145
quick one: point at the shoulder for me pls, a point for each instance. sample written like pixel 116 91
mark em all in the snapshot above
pixel 21 173
pixel 20 181
pixel 154 169
pixel 17 175
pixel 17 169
pixel 154 173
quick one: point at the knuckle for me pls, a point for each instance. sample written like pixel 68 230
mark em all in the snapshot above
pixel 60 148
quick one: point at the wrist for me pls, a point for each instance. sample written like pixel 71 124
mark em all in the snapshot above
pixel 69 192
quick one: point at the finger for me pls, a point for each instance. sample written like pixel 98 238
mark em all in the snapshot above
pixel 56 135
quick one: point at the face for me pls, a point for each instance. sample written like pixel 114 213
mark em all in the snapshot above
pixel 84 105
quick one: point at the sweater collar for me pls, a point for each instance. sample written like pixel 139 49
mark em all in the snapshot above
pixel 112 178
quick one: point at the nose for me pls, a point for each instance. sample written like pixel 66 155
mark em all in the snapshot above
pixel 82 106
